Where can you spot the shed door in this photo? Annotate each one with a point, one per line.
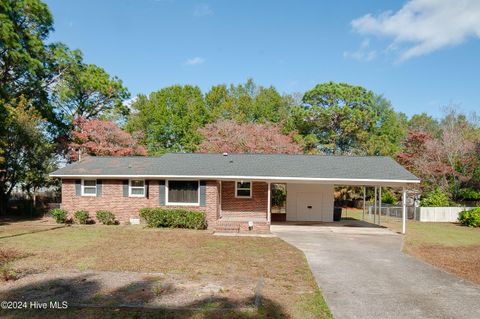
(309, 206)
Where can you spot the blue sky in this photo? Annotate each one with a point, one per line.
(421, 54)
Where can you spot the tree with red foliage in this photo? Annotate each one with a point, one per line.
(446, 161)
(414, 146)
(233, 137)
(97, 137)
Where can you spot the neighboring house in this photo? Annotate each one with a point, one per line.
(232, 189)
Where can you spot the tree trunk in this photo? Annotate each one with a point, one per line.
(34, 206)
(4, 203)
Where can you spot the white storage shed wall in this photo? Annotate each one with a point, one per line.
(310, 202)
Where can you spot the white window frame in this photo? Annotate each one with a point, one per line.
(83, 187)
(167, 190)
(130, 188)
(250, 189)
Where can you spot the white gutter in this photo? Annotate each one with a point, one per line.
(360, 181)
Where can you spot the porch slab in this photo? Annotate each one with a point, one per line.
(242, 219)
(244, 235)
(332, 229)
(357, 227)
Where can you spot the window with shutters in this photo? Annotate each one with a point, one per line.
(89, 187)
(183, 193)
(136, 188)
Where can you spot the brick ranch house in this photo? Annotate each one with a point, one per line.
(234, 190)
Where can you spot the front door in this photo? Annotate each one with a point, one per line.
(309, 206)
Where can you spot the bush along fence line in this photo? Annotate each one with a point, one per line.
(173, 218)
(470, 218)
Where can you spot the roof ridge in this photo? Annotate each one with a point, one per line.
(121, 156)
(234, 154)
(283, 154)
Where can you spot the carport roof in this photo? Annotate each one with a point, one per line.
(363, 170)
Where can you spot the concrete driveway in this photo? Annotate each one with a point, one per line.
(363, 274)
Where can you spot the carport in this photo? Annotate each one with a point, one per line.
(313, 201)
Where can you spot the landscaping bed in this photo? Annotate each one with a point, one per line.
(167, 271)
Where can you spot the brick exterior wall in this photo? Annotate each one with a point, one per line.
(124, 208)
(256, 206)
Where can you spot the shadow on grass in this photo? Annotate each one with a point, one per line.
(34, 231)
(139, 299)
(16, 218)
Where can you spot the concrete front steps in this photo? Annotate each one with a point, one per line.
(240, 225)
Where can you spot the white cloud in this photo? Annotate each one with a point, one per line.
(423, 26)
(363, 53)
(202, 10)
(195, 61)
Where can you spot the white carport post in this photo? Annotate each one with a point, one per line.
(375, 206)
(364, 196)
(404, 209)
(268, 204)
(379, 203)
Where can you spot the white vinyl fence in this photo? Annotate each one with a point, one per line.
(440, 214)
(423, 214)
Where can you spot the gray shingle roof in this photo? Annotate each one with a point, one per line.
(266, 166)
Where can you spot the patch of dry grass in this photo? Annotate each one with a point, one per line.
(462, 261)
(237, 262)
(7, 257)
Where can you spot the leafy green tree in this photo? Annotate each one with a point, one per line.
(85, 90)
(340, 115)
(389, 130)
(169, 119)
(28, 154)
(424, 123)
(24, 59)
(54, 79)
(37, 175)
(300, 120)
(247, 103)
(24, 25)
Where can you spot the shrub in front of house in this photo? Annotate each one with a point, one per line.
(435, 198)
(82, 217)
(173, 218)
(60, 215)
(106, 217)
(470, 218)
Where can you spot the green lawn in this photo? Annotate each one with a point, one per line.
(186, 259)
